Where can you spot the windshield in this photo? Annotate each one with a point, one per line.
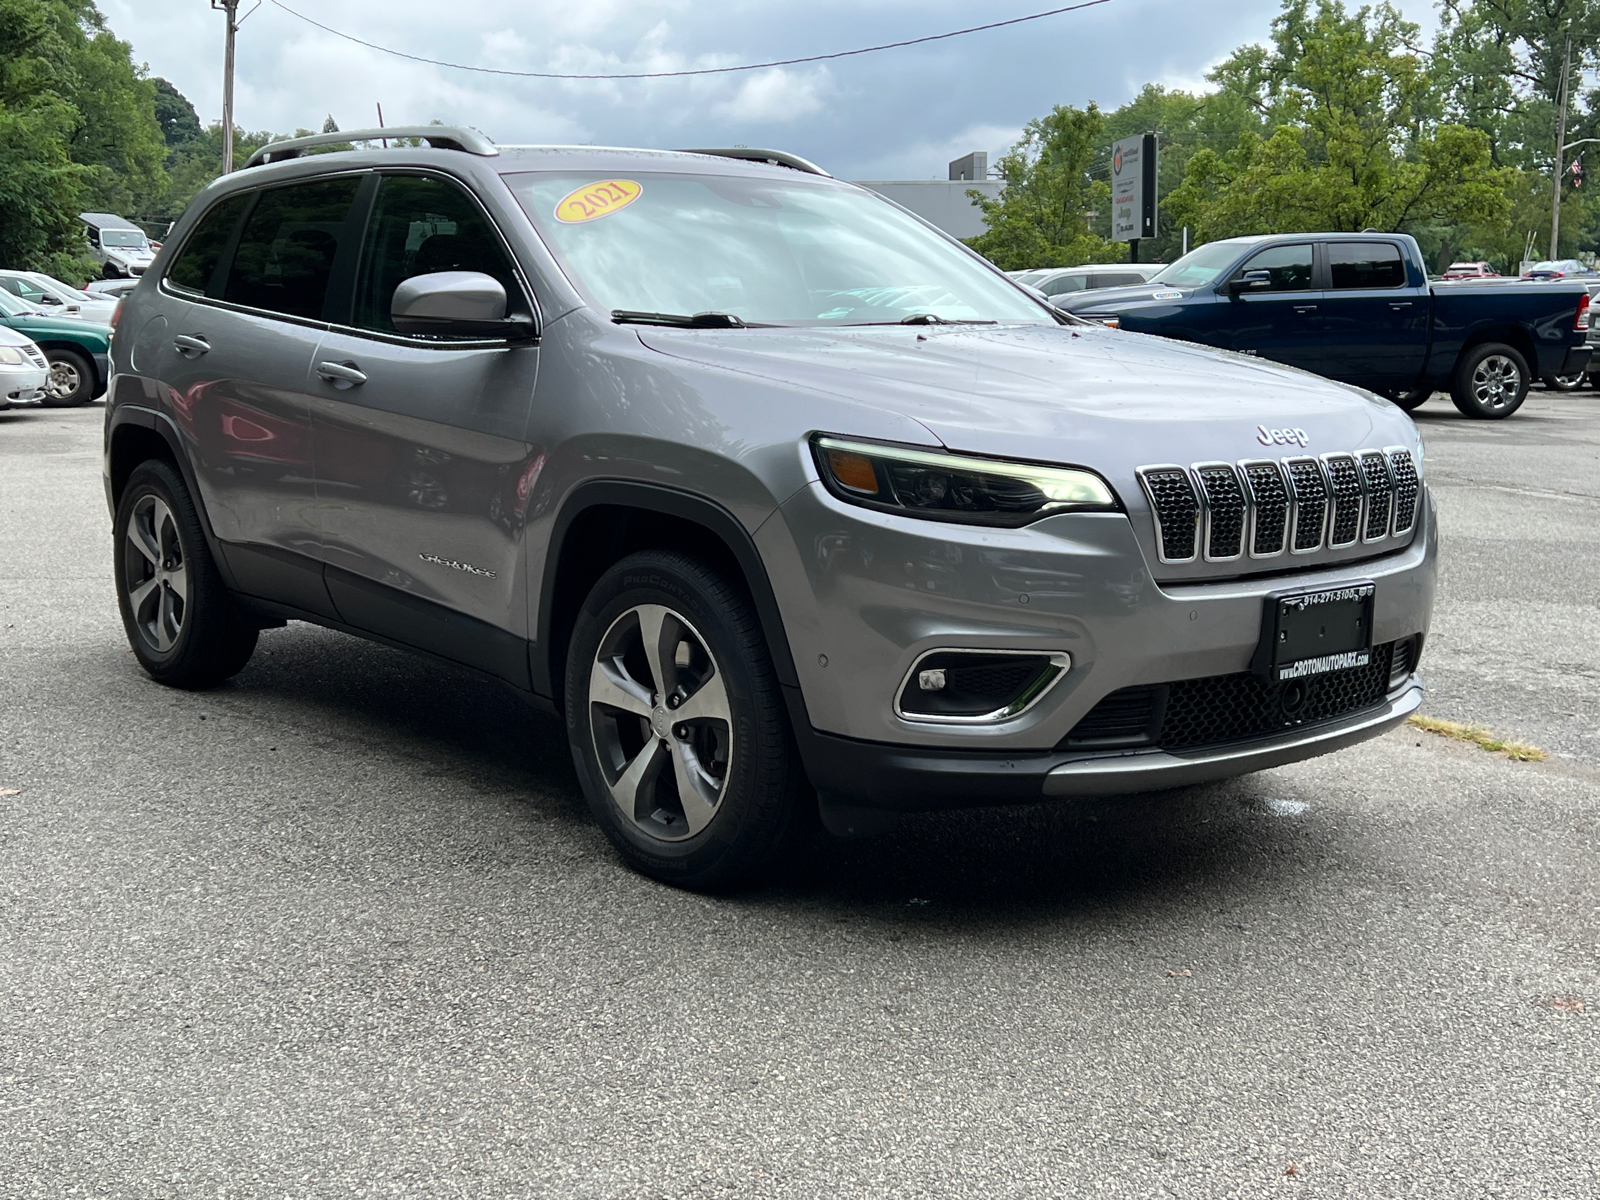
(123, 238)
(1200, 266)
(767, 251)
(11, 306)
(31, 292)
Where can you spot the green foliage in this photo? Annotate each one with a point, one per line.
(1354, 143)
(180, 124)
(1043, 217)
(77, 130)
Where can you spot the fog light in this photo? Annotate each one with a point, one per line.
(978, 686)
(931, 681)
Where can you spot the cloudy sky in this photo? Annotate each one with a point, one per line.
(900, 114)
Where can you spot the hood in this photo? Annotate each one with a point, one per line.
(127, 254)
(1108, 299)
(90, 334)
(1095, 397)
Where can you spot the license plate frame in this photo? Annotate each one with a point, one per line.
(1316, 631)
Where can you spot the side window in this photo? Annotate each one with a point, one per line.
(1067, 283)
(288, 246)
(1116, 279)
(196, 267)
(1289, 266)
(421, 226)
(1366, 265)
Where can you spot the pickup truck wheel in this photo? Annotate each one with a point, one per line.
(71, 380)
(1415, 398)
(181, 622)
(677, 724)
(1563, 383)
(1490, 382)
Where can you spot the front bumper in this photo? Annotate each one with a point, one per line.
(906, 779)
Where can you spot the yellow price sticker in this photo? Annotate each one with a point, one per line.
(595, 200)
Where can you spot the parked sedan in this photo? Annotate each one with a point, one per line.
(53, 296)
(115, 288)
(24, 370)
(1558, 269)
(1066, 281)
(78, 351)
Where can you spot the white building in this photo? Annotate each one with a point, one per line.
(945, 202)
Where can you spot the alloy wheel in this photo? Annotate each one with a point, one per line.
(661, 722)
(157, 577)
(1496, 382)
(64, 380)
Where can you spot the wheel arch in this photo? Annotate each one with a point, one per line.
(48, 344)
(601, 523)
(1515, 336)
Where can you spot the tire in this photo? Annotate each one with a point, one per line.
(1415, 398)
(182, 624)
(1564, 383)
(72, 379)
(1490, 381)
(110, 272)
(636, 757)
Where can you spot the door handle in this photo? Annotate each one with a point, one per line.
(341, 375)
(1397, 304)
(190, 347)
(1305, 308)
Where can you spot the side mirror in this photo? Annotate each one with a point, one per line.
(48, 299)
(456, 304)
(1251, 281)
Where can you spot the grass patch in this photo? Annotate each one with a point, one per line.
(1478, 736)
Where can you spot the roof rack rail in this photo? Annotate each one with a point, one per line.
(776, 157)
(440, 137)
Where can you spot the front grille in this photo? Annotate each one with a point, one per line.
(1221, 709)
(1299, 505)
(1406, 489)
(1344, 482)
(1380, 495)
(1177, 511)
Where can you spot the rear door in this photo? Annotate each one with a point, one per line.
(423, 467)
(1375, 319)
(1283, 322)
(244, 313)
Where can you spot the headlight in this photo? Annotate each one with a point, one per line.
(954, 487)
(10, 356)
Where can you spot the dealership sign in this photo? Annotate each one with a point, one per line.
(1133, 188)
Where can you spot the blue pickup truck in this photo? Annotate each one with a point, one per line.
(1358, 307)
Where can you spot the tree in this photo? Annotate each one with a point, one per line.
(1354, 142)
(180, 124)
(1043, 217)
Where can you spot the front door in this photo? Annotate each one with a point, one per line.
(423, 466)
(1376, 323)
(237, 373)
(1282, 321)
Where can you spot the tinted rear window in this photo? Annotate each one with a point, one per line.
(1366, 265)
(196, 267)
(287, 250)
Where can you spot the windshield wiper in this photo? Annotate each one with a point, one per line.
(700, 320)
(926, 318)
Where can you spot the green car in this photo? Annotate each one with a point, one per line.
(78, 350)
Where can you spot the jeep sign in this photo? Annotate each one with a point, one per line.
(1133, 188)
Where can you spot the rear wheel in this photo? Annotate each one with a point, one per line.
(677, 724)
(71, 380)
(181, 623)
(1415, 398)
(1563, 383)
(1490, 381)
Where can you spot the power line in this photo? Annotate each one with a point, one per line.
(782, 62)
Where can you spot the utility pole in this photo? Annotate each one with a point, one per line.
(1561, 137)
(230, 10)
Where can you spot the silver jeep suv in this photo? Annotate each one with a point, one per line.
(786, 501)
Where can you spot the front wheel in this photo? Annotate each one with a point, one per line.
(677, 724)
(1415, 398)
(1490, 381)
(71, 381)
(181, 622)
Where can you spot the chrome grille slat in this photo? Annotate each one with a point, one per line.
(1177, 511)
(1269, 507)
(1262, 507)
(1310, 491)
(1406, 489)
(1225, 510)
(1344, 486)
(1380, 495)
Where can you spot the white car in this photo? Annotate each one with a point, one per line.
(24, 371)
(117, 244)
(115, 288)
(56, 298)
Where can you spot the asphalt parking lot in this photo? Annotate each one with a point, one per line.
(343, 929)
